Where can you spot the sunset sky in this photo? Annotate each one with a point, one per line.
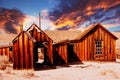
(59, 14)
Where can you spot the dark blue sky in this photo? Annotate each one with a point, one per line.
(31, 7)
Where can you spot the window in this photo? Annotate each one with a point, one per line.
(98, 46)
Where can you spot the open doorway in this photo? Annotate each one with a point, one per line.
(40, 52)
(40, 55)
(41, 59)
(72, 57)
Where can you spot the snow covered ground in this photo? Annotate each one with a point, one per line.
(86, 71)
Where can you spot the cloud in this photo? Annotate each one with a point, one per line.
(111, 25)
(29, 20)
(45, 23)
(11, 19)
(80, 13)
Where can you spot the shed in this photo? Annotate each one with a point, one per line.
(95, 43)
(43, 43)
(32, 49)
(6, 49)
(6, 45)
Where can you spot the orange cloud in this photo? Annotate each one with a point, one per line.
(83, 12)
(10, 20)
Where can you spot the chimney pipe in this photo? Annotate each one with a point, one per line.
(21, 28)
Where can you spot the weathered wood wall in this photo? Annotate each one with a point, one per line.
(23, 52)
(60, 54)
(85, 48)
(6, 51)
(40, 36)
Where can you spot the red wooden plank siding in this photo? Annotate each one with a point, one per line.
(62, 51)
(0, 51)
(50, 52)
(23, 52)
(26, 54)
(42, 37)
(6, 51)
(87, 49)
(20, 50)
(35, 33)
(113, 49)
(38, 36)
(30, 54)
(16, 56)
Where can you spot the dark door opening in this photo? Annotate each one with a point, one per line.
(72, 57)
(41, 60)
(58, 60)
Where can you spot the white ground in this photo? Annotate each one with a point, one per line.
(86, 71)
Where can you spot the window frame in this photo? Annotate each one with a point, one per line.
(98, 47)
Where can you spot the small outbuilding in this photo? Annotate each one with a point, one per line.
(32, 49)
(95, 43)
(6, 49)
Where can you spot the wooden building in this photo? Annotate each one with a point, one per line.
(62, 53)
(34, 48)
(6, 49)
(6, 45)
(29, 45)
(90, 44)
(95, 43)
(43, 45)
